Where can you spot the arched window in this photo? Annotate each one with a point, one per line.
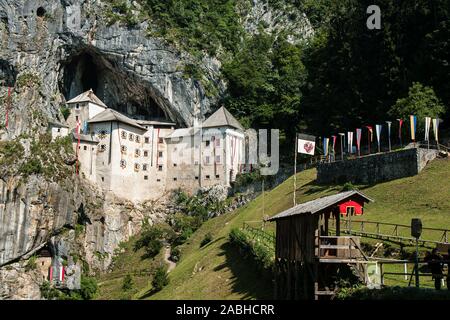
(138, 139)
(136, 167)
(137, 153)
(123, 164)
(144, 167)
(123, 135)
(131, 137)
(123, 149)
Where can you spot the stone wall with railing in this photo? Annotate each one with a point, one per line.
(376, 168)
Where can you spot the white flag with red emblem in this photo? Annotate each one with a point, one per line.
(306, 144)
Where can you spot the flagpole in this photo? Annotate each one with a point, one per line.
(295, 167)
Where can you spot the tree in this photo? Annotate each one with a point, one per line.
(421, 102)
(127, 283)
(160, 278)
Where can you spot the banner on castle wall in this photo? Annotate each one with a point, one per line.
(334, 144)
(378, 128)
(370, 132)
(413, 123)
(427, 128)
(306, 144)
(400, 123)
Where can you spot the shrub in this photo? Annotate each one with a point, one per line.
(65, 112)
(348, 186)
(151, 239)
(88, 288)
(160, 278)
(127, 283)
(207, 239)
(31, 263)
(175, 254)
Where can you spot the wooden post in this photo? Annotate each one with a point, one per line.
(295, 167)
(338, 224)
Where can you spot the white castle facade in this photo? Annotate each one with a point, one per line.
(145, 159)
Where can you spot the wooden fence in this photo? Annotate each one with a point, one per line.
(399, 233)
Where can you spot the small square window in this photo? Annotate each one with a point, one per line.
(59, 130)
(207, 160)
(145, 177)
(161, 140)
(103, 179)
(175, 179)
(160, 167)
(207, 176)
(145, 153)
(207, 143)
(160, 154)
(144, 167)
(158, 180)
(217, 176)
(217, 159)
(174, 164)
(123, 135)
(196, 178)
(131, 137)
(196, 162)
(138, 139)
(76, 118)
(147, 140)
(137, 153)
(85, 147)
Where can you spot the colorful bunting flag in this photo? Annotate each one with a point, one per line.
(413, 122)
(427, 128)
(436, 128)
(358, 140)
(350, 141)
(389, 133)
(378, 128)
(325, 146)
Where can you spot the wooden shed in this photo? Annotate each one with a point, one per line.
(305, 246)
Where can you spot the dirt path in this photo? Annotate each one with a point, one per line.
(171, 264)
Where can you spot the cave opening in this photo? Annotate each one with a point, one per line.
(41, 12)
(119, 90)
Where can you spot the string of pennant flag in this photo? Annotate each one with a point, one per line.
(306, 143)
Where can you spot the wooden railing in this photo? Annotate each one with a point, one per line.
(392, 232)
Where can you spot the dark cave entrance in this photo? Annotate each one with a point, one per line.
(41, 12)
(88, 69)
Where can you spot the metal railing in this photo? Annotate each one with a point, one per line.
(392, 231)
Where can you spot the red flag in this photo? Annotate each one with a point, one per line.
(400, 122)
(371, 132)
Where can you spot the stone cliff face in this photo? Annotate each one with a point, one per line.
(51, 51)
(69, 48)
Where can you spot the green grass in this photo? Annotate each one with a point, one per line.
(217, 270)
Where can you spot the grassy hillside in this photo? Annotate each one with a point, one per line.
(217, 271)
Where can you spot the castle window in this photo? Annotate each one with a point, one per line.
(207, 176)
(145, 177)
(175, 179)
(217, 159)
(196, 162)
(77, 106)
(136, 167)
(147, 140)
(207, 143)
(160, 167)
(103, 179)
(123, 164)
(102, 147)
(85, 148)
(131, 137)
(145, 153)
(137, 153)
(59, 130)
(160, 154)
(76, 118)
(196, 178)
(218, 142)
(123, 149)
(161, 140)
(158, 180)
(123, 135)
(217, 176)
(138, 139)
(207, 160)
(174, 164)
(144, 167)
